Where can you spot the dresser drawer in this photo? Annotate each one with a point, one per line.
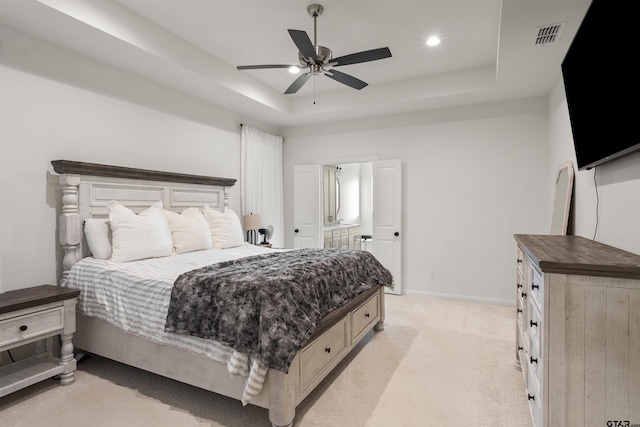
(364, 316)
(534, 364)
(520, 262)
(536, 288)
(535, 399)
(322, 354)
(534, 325)
(30, 326)
(523, 352)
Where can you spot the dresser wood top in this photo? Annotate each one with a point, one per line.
(32, 297)
(578, 255)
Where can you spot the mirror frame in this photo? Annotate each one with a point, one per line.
(562, 199)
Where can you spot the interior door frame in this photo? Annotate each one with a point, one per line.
(394, 199)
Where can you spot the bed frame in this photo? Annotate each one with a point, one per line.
(87, 188)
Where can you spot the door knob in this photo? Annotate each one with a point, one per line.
(396, 234)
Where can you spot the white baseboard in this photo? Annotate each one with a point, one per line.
(465, 298)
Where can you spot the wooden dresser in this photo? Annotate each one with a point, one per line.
(578, 331)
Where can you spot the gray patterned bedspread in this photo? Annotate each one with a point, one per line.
(269, 305)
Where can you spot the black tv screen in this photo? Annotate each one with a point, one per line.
(600, 87)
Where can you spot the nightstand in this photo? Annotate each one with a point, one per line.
(35, 315)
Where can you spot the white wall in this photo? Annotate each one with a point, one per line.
(472, 177)
(608, 212)
(55, 105)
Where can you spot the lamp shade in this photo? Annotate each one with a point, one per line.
(251, 222)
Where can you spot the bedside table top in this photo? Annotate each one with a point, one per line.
(34, 296)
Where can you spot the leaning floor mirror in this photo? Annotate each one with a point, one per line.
(562, 199)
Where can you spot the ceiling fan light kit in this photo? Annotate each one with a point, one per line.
(319, 59)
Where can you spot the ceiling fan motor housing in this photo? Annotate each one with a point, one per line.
(323, 54)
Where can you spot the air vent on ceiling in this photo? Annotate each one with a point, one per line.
(549, 33)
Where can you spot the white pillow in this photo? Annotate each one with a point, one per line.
(226, 231)
(146, 235)
(98, 235)
(189, 230)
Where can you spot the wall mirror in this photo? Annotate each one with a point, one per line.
(562, 199)
(330, 188)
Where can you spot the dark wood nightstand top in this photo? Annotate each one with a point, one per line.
(31, 297)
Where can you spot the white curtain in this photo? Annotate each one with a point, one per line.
(261, 187)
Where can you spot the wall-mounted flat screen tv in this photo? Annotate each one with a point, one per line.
(600, 87)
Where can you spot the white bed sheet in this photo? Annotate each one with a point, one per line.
(134, 296)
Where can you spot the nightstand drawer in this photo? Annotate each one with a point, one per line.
(32, 325)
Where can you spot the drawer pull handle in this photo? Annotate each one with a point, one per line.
(519, 310)
(23, 328)
(524, 294)
(519, 285)
(519, 261)
(532, 323)
(533, 360)
(366, 315)
(520, 348)
(327, 349)
(534, 286)
(531, 396)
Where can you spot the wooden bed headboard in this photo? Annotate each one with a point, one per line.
(87, 188)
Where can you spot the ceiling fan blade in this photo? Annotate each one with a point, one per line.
(259, 67)
(364, 56)
(303, 43)
(346, 79)
(297, 84)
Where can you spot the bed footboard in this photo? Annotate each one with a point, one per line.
(334, 339)
(322, 354)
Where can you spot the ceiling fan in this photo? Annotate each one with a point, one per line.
(318, 59)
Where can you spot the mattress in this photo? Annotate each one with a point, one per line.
(135, 296)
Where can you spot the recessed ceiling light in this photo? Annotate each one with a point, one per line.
(433, 41)
(294, 70)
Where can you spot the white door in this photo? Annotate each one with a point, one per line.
(307, 208)
(387, 218)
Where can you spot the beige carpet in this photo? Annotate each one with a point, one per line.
(438, 363)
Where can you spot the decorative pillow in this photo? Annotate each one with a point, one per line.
(226, 231)
(134, 237)
(189, 230)
(98, 235)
